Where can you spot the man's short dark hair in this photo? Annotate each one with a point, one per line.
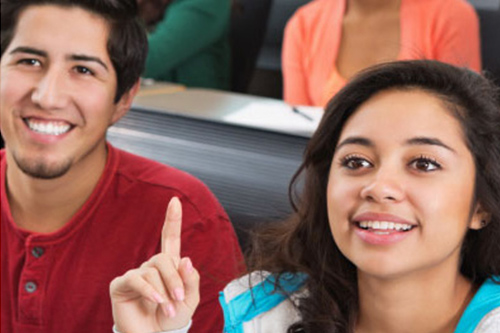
(127, 43)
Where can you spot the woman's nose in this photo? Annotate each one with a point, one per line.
(385, 186)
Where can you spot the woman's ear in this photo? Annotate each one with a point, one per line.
(480, 218)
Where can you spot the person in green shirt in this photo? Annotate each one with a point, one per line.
(188, 42)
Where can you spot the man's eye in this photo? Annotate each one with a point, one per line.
(29, 62)
(83, 70)
(354, 163)
(425, 164)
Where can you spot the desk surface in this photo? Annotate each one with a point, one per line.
(219, 106)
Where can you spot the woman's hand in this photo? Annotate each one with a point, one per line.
(163, 293)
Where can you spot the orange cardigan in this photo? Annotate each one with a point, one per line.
(445, 30)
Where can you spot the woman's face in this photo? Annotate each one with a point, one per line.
(401, 185)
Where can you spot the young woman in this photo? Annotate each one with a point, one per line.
(396, 229)
(326, 42)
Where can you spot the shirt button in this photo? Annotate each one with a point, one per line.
(30, 287)
(37, 251)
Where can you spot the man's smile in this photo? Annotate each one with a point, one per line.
(48, 127)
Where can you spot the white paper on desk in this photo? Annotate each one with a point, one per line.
(277, 115)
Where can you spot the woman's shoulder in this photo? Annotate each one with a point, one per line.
(315, 10)
(315, 19)
(482, 315)
(489, 323)
(261, 301)
(457, 9)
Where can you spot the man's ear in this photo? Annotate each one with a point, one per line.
(480, 218)
(123, 105)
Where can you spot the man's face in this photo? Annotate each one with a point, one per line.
(57, 91)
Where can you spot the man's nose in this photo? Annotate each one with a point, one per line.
(51, 91)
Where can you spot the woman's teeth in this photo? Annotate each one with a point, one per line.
(384, 225)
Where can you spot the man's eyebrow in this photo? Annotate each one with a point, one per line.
(82, 57)
(30, 50)
(428, 141)
(356, 140)
(74, 57)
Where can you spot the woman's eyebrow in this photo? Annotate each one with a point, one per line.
(362, 141)
(356, 140)
(428, 141)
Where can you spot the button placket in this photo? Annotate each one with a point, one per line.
(32, 280)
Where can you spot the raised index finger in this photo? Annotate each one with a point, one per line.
(171, 232)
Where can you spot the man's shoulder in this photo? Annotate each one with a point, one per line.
(138, 172)
(152, 173)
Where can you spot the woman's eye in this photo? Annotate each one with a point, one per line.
(83, 70)
(354, 163)
(425, 164)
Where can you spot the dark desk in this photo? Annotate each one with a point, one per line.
(247, 168)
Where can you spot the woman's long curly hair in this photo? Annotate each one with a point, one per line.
(304, 242)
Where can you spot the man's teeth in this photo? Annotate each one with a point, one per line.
(48, 128)
(384, 225)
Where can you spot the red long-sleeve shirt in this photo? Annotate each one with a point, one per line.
(59, 282)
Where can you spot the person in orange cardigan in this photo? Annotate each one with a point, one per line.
(327, 41)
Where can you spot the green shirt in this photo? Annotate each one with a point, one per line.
(190, 45)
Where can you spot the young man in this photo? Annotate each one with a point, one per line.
(76, 212)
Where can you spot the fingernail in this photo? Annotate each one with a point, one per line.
(174, 207)
(189, 265)
(179, 294)
(165, 309)
(157, 297)
(171, 310)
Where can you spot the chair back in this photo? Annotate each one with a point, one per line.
(490, 41)
(248, 27)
